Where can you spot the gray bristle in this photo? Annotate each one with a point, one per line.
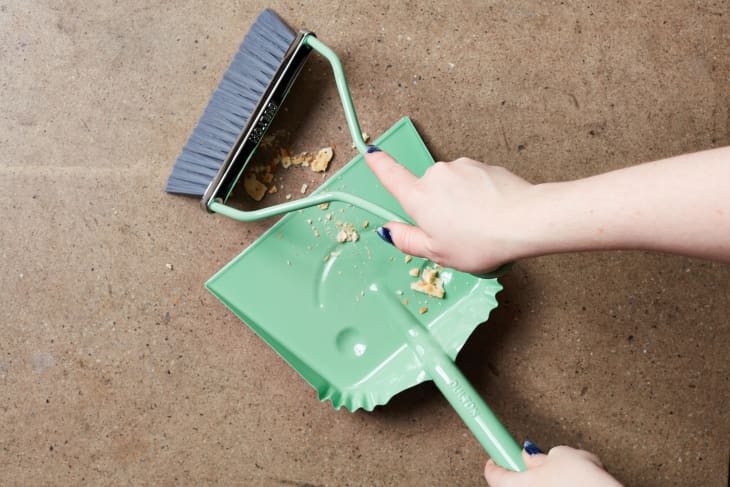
(254, 66)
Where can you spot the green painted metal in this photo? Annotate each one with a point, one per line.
(332, 310)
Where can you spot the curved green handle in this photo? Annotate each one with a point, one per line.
(309, 201)
(482, 422)
(342, 89)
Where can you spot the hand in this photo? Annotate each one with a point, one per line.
(467, 212)
(561, 467)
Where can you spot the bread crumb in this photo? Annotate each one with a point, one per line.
(316, 233)
(408, 259)
(309, 221)
(273, 189)
(399, 292)
(365, 224)
(326, 257)
(347, 233)
(429, 284)
(304, 188)
(414, 272)
(405, 301)
(423, 310)
(324, 206)
(288, 196)
(254, 188)
(322, 159)
(169, 266)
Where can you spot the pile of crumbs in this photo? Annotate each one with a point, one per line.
(259, 180)
(347, 233)
(429, 283)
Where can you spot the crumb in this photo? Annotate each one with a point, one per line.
(399, 292)
(342, 210)
(284, 158)
(429, 284)
(309, 221)
(288, 196)
(362, 293)
(316, 233)
(322, 159)
(414, 272)
(326, 257)
(408, 259)
(347, 233)
(273, 189)
(169, 266)
(324, 206)
(254, 188)
(304, 188)
(365, 224)
(267, 177)
(423, 310)
(329, 216)
(279, 235)
(405, 301)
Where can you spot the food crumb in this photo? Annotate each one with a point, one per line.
(304, 188)
(414, 272)
(288, 196)
(347, 233)
(429, 284)
(169, 266)
(365, 224)
(316, 233)
(423, 310)
(399, 292)
(324, 206)
(309, 221)
(322, 159)
(273, 189)
(254, 188)
(326, 257)
(405, 301)
(408, 259)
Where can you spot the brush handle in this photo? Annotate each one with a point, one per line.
(309, 201)
(482, 422)
(342, 89)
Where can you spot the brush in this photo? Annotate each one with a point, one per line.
(241, 110)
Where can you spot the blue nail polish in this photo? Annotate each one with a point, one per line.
(384, 233)
(372, 149)
(531, 448)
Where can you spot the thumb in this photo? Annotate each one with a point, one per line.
(407, 238)
(532, 455)
(501, 477)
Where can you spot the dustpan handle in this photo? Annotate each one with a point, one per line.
(342, 89)
(482, 422)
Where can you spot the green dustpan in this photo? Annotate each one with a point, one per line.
(335, 312)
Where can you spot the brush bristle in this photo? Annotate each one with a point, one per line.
(252, 69)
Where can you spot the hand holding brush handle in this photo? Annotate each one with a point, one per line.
(473, 216)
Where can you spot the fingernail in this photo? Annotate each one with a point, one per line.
(372, 149)
(384, 233)
(531, 448)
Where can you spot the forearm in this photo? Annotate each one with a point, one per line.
(678, 205)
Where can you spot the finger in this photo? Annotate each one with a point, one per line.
(409, 239)
(396, 178)
(501, 477)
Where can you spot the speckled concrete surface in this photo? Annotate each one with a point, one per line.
(115, 369)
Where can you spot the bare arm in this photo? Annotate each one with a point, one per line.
(473, 217)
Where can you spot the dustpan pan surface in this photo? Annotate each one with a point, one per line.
(321, 304)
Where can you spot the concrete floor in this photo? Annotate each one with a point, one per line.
(115, 369)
